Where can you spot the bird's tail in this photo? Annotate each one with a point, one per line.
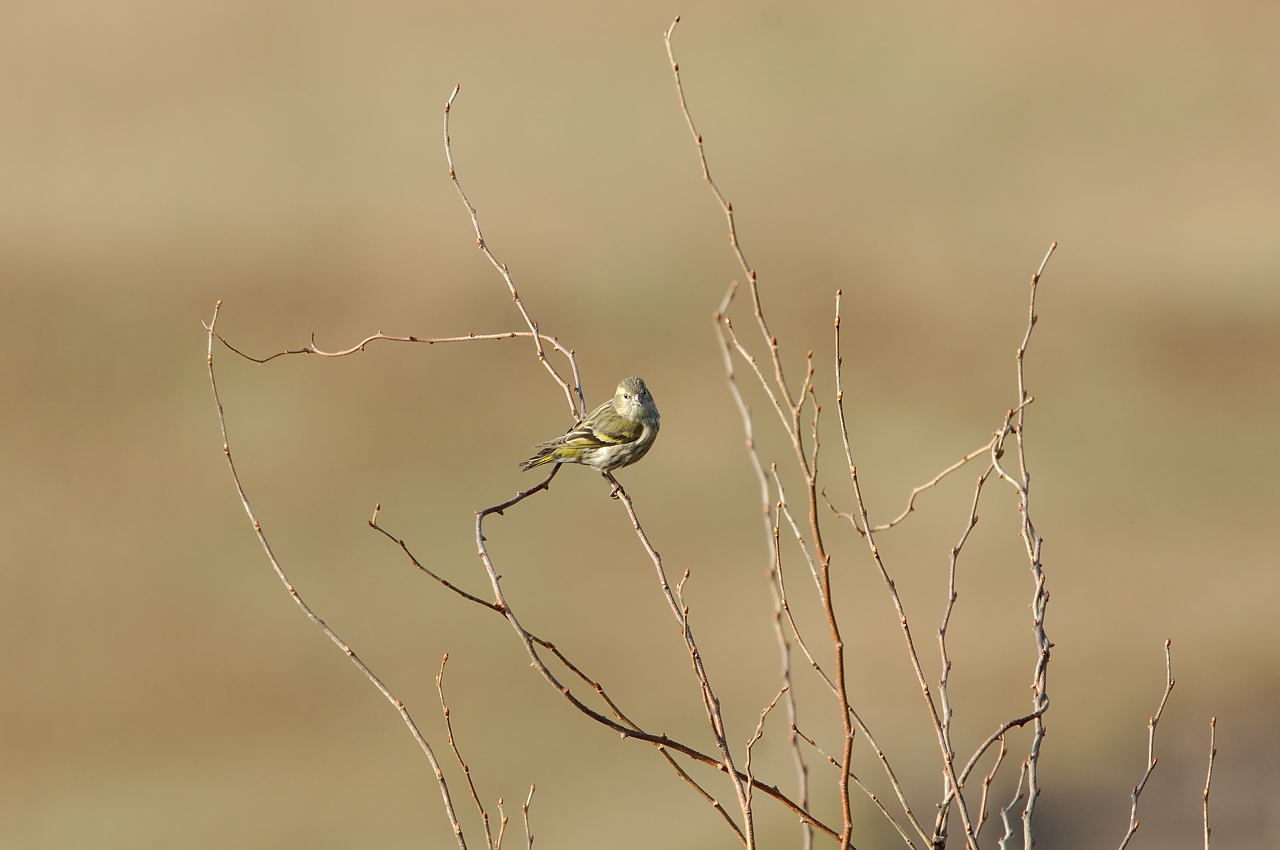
(537, 460)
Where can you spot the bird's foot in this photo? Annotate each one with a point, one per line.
(617, 488)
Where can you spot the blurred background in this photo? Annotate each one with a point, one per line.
(164, 691)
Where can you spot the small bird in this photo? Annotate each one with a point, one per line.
(616, 434)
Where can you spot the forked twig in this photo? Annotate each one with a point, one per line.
(931, 483)
(503, 820)
(1004, 810)
(757, 735)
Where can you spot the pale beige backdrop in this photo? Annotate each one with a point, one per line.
(162, 691)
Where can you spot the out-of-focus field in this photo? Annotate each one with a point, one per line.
(161, 690)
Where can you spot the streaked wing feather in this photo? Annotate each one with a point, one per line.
(586, 433)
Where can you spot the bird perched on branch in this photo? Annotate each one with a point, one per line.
(616, 434)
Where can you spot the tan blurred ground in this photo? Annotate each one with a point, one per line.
(162, 691)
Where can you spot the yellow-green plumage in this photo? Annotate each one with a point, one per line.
(616, 434)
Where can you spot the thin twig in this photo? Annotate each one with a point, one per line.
(503, 820)
(1004, 810)
(986, 785)
(1152, 722)
(373, 523)
(306, 609)
(727, 208)
(830, 759)
(994, 737)
(815, 572)
(524, 814)
(756, 736)
(457, 754)
(933, 482)
(577, 404)
(312, 348)
(706, 796)
(871, 795)
(944, 681)
(1208, 777)
(784, 416)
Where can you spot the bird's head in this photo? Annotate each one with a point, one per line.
(634, 401)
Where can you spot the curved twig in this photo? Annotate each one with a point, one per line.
(577, 404)
(311, 615)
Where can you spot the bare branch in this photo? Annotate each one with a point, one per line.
(324, 627)
(312, 348)
(373, 523)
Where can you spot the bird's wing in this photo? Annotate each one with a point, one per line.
(601, 427)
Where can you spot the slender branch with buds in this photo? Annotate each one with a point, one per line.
(1152, 722)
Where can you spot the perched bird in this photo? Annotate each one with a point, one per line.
(614, 435)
